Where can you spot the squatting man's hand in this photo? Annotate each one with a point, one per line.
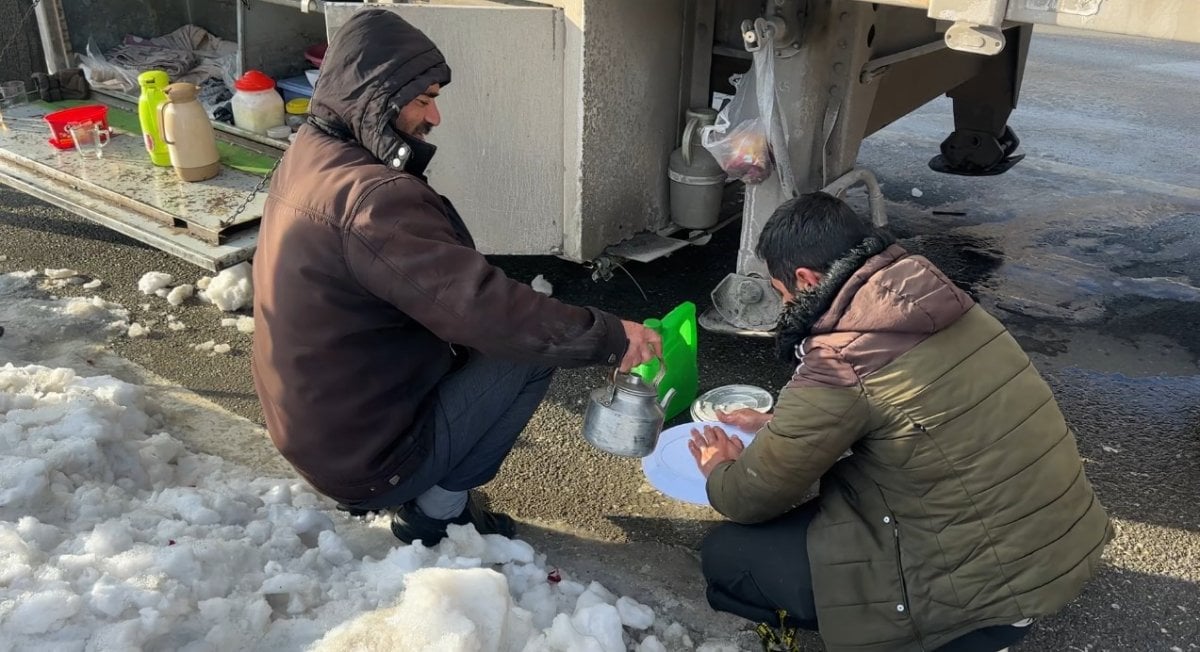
(644, 345)
(745, 419)
(713, 447)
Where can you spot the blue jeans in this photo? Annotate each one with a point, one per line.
(477, 414)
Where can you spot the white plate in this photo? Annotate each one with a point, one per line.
(671, 468)
(729, 398)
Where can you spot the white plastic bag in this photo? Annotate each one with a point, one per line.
(748, 137)
(738, 139)
(101, 73)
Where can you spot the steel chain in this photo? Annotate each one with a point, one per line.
(262, 183)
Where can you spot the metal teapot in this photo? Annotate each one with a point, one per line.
(625, 416)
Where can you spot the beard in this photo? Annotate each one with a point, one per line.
(422, 130)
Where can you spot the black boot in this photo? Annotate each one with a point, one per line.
(410, 524)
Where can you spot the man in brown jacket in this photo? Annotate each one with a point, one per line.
(396, 366)
(962, 510)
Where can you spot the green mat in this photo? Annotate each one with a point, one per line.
(233, 156)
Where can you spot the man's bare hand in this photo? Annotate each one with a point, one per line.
(644, 345)
(713, 447)
(745, 419)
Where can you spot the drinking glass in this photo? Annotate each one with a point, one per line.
(90, 137)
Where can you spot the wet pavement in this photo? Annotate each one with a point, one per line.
(1087, 250)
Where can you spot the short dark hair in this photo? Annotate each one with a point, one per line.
(814, 231)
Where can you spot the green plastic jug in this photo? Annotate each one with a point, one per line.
(153, 83)
(680, 346)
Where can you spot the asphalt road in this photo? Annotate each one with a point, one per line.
(1087, 251)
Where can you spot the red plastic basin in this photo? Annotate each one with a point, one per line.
(60, 120)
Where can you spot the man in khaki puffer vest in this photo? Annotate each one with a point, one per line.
(962, 511)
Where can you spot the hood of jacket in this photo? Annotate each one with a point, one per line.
(877, 287)
(376, 64)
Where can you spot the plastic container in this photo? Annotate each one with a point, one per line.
(152, 83)
(680, 347)
(279, 133)
(730, 398)
(295, 88)
(297, 112)
(315, 54)
(257, 106)
(60, 138)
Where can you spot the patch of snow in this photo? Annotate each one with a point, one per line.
(205, 346)
(540, 284)
(229, 322)
(245, 325)
(152, 282)
(635, 615)
(177, 326)
(137, 330)
(56, 274)
(232, 289)
(179, 294)
(202, 282)
(222, 348)
(916, 192)
(94, 284)
(115, 536)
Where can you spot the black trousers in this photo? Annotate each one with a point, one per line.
(753, 571)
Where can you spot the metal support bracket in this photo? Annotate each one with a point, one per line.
(743, 304)
(746, 304)
(976, 24)
(874, 193)
(781, 22)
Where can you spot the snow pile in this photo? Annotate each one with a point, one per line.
(114, 536)
(152, 282)
(31, 320)
(243, 324)
(212, 348)
(230, 290)
(179, 294)
(541, 285)
(60, 274)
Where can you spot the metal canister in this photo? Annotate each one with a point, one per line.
(697, 180)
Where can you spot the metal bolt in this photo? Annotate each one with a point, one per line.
(900, 608)
(887, 519)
